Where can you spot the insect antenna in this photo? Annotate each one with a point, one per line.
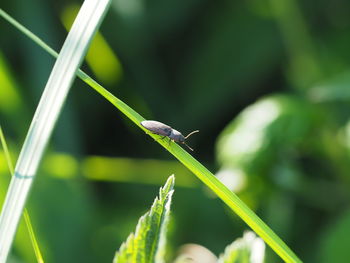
(188, 146)
(191, 134)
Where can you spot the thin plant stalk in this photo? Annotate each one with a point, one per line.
(27, 220)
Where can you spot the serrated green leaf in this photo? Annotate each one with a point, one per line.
(148, 243)
(248, 249)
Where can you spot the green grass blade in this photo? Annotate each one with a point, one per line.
(148, 242)
(6, 151)
(33, 239)
(27, 220)
(231, 199)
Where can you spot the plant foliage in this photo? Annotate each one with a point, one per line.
(147, 244)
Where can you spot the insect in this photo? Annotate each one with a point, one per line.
(159, 128)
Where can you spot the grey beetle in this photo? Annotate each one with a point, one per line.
(159, 128)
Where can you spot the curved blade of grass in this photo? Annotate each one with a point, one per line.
(61, 78)
(231, 199)
(27, 220)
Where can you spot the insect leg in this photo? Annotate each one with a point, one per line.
(169, 142)
(161, 138)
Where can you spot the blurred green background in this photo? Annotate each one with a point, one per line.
(265, 81)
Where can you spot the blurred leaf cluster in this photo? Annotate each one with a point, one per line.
(266, 82)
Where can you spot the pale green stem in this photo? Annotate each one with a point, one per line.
(89, 18)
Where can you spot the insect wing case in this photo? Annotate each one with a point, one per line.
(157, 127)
